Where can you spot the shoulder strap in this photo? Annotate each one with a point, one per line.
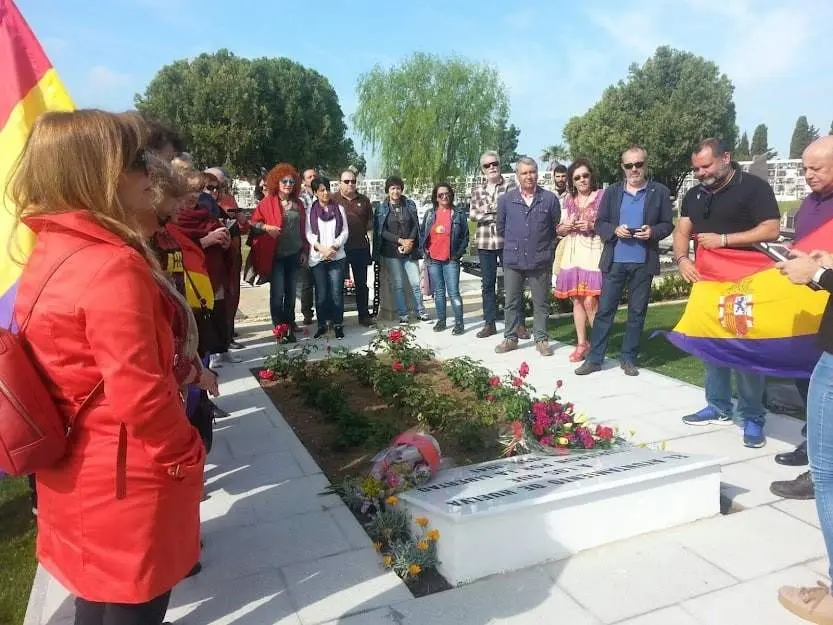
(203, 303)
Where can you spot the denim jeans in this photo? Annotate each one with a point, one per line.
(638, 279)
(358, 260)
(820, 445)
(329, 291)
(445, 277)
(488, 267)
(400, 270)
(750, 392)
(282, 288)
(539, 284)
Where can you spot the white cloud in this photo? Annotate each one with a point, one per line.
(105, 82)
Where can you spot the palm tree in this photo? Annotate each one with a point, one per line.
(555, 154)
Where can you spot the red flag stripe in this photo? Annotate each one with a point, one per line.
(22, 59)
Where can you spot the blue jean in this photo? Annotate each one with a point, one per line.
(282, 288)
(489, 260)
(445, 277)
(400, 270)
(820, 444)
(638, 279)
(329, 291)
(750, 392)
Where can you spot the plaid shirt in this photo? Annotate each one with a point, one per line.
(483, 210)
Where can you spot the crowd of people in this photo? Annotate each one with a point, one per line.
(136, 275)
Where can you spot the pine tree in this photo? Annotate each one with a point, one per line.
(760, 143)
(831, 129)
(742, 149)
(801, 137)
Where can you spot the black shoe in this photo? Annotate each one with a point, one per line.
(339, 330)
(322, 330)
(458, 329)
(796, 458)
(367, 322)
(291, 338)
(588, 367)
(440, 326)
(629, 368)
(197, 568)
(800, 488)
(219, 413)
(307, 321)
(235, 345)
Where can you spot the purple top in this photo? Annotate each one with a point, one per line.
(815, 210)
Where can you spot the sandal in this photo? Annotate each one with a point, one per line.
(580, 352)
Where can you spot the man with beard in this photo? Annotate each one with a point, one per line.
(559, 177)
(729, 208)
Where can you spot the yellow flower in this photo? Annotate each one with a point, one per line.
(392, 500)
(414, 570)
(422, 545)
(387, 561)
(421, 521)
(567, 427)
(562, 441)
(377, 546)
(433, 535)
(582, 418)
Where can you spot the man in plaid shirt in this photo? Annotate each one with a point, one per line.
(483, 211)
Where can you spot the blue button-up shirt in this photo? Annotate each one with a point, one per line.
(631, 214)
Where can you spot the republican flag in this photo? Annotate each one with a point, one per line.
(30, 86)
(744, 314)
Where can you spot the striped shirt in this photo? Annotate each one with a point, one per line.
(483, 211)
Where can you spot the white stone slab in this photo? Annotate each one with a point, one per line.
(508, 514)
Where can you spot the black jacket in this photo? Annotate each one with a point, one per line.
(658, 215)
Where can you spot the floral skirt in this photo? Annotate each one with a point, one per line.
(576, 268)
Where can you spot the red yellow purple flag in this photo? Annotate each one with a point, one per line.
(744, 314)
(30, 86)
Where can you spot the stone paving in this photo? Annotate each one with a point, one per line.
(277, 552)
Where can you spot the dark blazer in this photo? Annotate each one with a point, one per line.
(380, 217)
(658, 215)
(528, 231)
(459, 232)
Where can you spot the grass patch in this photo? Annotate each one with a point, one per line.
(17, 549)
(656, 353)
(788, 205)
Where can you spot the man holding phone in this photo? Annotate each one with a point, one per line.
(634, 216)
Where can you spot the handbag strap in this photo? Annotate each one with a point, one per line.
(203, 303)
(88, 401)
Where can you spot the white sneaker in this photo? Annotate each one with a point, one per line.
(231, 358)
(215, 361)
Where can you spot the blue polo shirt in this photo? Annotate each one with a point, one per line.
(631, 214)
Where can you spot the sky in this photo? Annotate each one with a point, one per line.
(555, 58)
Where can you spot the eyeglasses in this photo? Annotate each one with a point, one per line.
(490, 165)
(211, 187)
(353, 181)
(637, 164)
(289, 182)
(583, 176)
(140, 162)
(443, 196)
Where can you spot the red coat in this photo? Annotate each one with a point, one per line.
(270, 212)
(118, 517)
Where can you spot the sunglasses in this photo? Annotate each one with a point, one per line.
(443, 196)
(290, 182)
(140, 162)
(212, 187)
(637, 164)
(490, 165)
(581, 177)
(349, 181)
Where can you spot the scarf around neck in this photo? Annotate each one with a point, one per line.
(325, 213)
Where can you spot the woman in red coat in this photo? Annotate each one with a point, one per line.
(118, 516)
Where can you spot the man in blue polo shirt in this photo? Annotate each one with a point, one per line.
(633, 218)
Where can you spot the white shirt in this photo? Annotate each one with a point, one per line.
(327, 237)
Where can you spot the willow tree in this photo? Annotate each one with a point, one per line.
(430, 118)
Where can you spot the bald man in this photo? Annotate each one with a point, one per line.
(815, 210)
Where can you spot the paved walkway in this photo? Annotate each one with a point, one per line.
(277, 552)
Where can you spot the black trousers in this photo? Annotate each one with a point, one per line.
(149, 613)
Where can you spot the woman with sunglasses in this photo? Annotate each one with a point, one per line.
(445, 238)
(279, 244)
(578, 254)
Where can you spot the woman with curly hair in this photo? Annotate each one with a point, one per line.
(577, 256)
(279, 245)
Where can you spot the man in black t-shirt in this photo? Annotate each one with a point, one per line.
(729, 208)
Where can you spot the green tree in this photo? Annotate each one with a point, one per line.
(554, 154)
(830, 132)
(245, 114)
(507, 146)
(430, 118)
(803, 135)
(760, 143)
(667, 105)
(742, 149)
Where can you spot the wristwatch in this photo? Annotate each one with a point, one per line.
(819, 272)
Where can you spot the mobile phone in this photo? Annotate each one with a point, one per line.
(780, 252)
(634, 230)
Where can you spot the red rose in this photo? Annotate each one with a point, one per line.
(517, 382)
(281, 331)
(397, 366)
(412, 368)
(523, 370)
(490, 398)
(266, 374)
(395, 335)
(604, 432)
(494, 381)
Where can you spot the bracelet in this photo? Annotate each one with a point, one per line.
(681, 258)
(724, 240)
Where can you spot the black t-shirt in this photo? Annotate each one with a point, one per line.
(740, 206)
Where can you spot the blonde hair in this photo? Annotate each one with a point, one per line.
(72, 161)
(166, 180)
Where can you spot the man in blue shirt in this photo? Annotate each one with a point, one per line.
(634, 216)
